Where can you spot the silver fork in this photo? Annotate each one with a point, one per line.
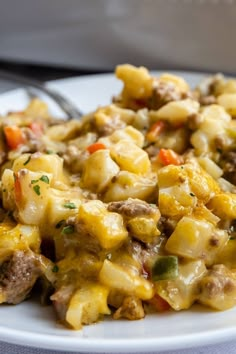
(66, 105)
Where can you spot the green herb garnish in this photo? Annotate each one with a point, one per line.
(70, 205)
(33, 181)
(44, 179)
(68, 230)
(192, 194)
(27, 161)
(55, 269)
(36, 189)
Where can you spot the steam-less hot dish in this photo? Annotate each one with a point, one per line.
(130, 210)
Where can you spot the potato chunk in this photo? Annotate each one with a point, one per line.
(196, 238)
(107, 227)
(87, 304)
(177, 112)
(129, 185)
(137, 81)
(122, 278)
(181, 292)
(224, 205)
(130, 157)
(99, 170)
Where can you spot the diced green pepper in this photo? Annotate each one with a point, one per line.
(165, 268)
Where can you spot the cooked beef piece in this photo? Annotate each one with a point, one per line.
(132, 207)
(61, 300)
(229, 166)
(163, 94)
(18, 273)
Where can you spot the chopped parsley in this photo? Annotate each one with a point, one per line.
(36, 188)
(55, 269)
(69, 229)
(44, 179)
(69, 205)
(49, 152)
(192, 194)
(27, 161)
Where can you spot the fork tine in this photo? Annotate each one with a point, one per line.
(66, 106)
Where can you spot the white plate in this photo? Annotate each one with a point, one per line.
(34, 325)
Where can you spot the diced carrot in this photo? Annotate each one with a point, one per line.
(155, 131)
(36, 128)
(169, 157)
(14, 136)
(95, 147)
(159, 303)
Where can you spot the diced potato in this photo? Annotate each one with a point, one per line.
(129, 185)
(210, 167)
(177, 112)
(129, 133)
(19, 237)
(218, 288)
(31, 193)
(99, 170)
(62, 205)
(223, 205)
(38, 162)
(130, 157)
(87, 304)
(181, 292)
(8, 194)
(143, 228)
(37, 108)
(196, 238)
(215, 112)
(121, 278)
(180, 187)
(177, 81)
(112, 113)
(227, 254)
(106, 226)
(137, 81)
(65, 131)
(228, 101)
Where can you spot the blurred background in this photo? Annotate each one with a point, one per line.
(51, 39)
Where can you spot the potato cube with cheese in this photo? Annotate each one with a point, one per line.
(38, 162)
(130, 157)
(177, 112)
(31, 195)
(130, 185)
(181, 292)
(107, 227)
(99, 170)
(87, 304)
(196, 238)
(121, 278)
(223, 205)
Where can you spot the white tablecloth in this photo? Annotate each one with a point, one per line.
(224, 348)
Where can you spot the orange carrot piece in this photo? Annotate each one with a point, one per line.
(155, 130)
(169, 157)
(95, 147)
(14, 136)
